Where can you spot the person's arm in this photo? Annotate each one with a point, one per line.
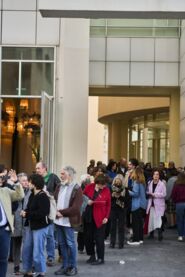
(108, 208)
(42, 208)
(17, 194)
(161, 193)
(174, 194)
(76, 205)
(135, 190)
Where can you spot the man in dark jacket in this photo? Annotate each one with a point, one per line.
(51, 181)
(69, 201)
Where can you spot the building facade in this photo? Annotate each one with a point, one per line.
(50, 65)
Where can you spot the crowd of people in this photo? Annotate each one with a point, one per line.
(119, 202)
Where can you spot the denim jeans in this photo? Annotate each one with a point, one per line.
(67, 244)
(50, 243)
(4, 245)
(33, 250)
(180, 217)
(27, 250)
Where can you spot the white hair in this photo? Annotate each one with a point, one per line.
(70, 170)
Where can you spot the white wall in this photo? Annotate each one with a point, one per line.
(72, 95)
(134, 61)
(96, 134)
(22, 24)
(182, 96)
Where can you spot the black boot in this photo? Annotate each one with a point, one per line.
(121, 245)
(112, 245)
(91, 259)
(151, 235)
(160, 234)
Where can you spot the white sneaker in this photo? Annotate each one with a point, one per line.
(133, 242)
(180, 238)
(107, 242)
(141, 241)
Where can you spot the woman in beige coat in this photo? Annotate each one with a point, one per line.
(7, 196)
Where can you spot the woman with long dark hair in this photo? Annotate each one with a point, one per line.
(156, 192)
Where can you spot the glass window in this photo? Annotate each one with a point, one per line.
(36, 77)
(166, 32)
(10, 78)
(98, 22)
(97, 32)
(135, 28)
(129, 32)
(130, 22)
(28, 53)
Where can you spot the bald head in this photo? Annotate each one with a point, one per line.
(41, 169)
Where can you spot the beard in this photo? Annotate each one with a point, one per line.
(64, 182)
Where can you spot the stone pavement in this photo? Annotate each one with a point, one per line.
(152, 259)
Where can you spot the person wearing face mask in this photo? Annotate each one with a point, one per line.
(119, 203)
(69, 200)
(7, 196)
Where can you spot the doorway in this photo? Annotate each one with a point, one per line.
(20, 133)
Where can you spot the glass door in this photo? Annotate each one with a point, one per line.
(46, 142)
(20, 132)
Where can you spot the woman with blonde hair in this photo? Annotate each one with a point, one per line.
(119, 204)
(138, 205)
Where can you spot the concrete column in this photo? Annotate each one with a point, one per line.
(72, 87)
(145, 145)
(115, 140)
(124, 139)
(174, 128)
(118, 139)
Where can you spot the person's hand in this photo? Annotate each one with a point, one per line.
(58, 215)
(105, 220)
(23, 213)
(90, 202)
(13, 175)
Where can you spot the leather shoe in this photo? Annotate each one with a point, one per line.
(98, 262)
(91, 259)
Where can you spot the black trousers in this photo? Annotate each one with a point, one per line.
(94, 237)
(137, 224)
(80, 240)
(117, 224)
(17, 242)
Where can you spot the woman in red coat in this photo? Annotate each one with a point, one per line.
(96, 217)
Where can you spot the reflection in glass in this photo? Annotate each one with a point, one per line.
(28, 53)
(10, 77)
(37, 77)
(134, 28)
(156, 127)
